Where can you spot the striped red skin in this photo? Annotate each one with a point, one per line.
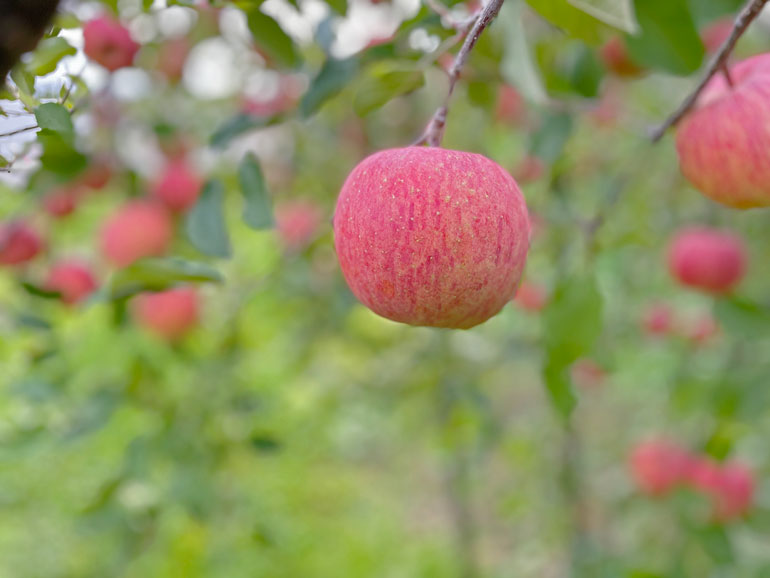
(431, 237)
(707, 259)
(724, 143)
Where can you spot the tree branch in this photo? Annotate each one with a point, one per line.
(19, 131)
(718, 63)
(434, 132)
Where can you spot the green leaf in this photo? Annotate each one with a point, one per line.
(206, 226)
(383, 82)
(331, 79)
(549, 141)
(270, 37)
(338, 6)
(558, 386)
(25, 83)
(59, 155)
(235, 127)
(573, 319)
(617, 13)
(705, 12)
(517, 66)
(55, 117)
(48, 54)
(258, 211)
(571, 20)
(159, 274)
(669, 40)
(743, 318)
(39, 291)
(3, 162)
(716, 543)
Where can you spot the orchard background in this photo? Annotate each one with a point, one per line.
(259, 421)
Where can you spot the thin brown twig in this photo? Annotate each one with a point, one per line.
(719, 62)
(434, 132)
(19, 131)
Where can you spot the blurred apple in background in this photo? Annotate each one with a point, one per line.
(169, 314)
(19, 243)
(73, 280)
(138, 229)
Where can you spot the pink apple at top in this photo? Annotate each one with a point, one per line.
(723, 142)
(709, 260)
(659, 466)
(169, 314)
(178, 186)
(138, 229)
(430, 236)
(109, 43)
(73, 280)
(531, 297)
(19, 243)
(297, 223)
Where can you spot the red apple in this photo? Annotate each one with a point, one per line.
(510, 105)
(716, 33)
(61, 203)
(706, 259)
(139, 229)
(723, 141)
(178, 186)
(702, 473)
(73, 280)
(531, 297)
(297, 223)
(19, 243)
(733, 493)
(429, 236)
(658, 320)
(109, 43)
(96, 176)
(529, 169)
(616, 59)
(169, 314)
(658, 466)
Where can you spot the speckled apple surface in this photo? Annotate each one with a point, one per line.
(432, 237)
(724, 143)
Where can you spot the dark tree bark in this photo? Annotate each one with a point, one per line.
(22, 24)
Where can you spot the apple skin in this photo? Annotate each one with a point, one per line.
(709, 260)
(431, 237)
(169, 314)
(139, 229)
(616, 59)
(659, 466)
(178, 186)
(723, 142)
(73, 280)
(109, 43)
(297, 223)
(19, 243)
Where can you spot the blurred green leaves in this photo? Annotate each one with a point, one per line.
(206, 225)
(383, 82)
(258, 211)
(159, 274)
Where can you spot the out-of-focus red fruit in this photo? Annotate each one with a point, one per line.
(658, 320)
(297, 223)
(616, 59)
(658, 466)
(702, 473)
(139, 229)
(61, 203)
(702, 329)
(716, 33)
(109, 43)
(433, 237)
(529, 169)
(587, 374)
(178, 186)
(172, 57)
(722, 142)
(706, 259)
(96, 176)
(169, 314)
(73, 280)
(510, 105)
(531, 297)
(19, 243)
(734, 492)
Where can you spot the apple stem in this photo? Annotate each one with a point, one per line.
(719, 62)
(434, 132)
(726, 73)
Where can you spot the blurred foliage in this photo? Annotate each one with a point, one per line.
(293, 432)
